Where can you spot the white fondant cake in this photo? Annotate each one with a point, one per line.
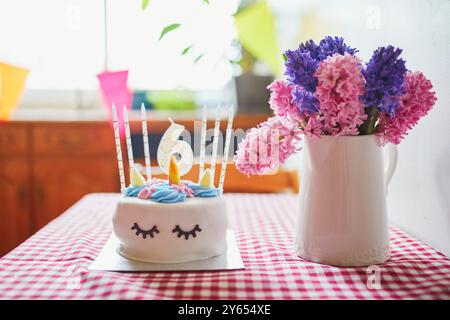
(157, 232)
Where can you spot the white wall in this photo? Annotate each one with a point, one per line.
(419, 199)
(419, 195)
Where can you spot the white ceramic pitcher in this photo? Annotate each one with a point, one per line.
(343, 218)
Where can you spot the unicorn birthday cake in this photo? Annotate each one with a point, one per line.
(173, 220)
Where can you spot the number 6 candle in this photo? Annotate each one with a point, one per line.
(170, 145)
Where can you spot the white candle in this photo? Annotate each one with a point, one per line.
(215, 143)
(128, 137)
(202, 142)
(118, 149)
(227, 148)
(148, 169)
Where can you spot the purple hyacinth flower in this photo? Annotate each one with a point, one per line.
(384, 75)
(332, 45)
(311, 47)
(304, 100)
(300, 69)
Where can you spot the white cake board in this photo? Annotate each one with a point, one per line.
(110, 260)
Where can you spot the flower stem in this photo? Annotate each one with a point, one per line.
(368, 127)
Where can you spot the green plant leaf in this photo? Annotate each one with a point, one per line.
(198, 58)
(284, 57)
(186, 50)
(168, 29)
(144, 4)
(206, 1)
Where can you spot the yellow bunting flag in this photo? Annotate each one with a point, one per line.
(174, 175)
(256, 31)
(12, 83)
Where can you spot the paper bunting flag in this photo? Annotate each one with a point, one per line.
(12, 83)
(113, 86)
(256, 32)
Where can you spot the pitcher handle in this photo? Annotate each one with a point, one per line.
(391, 164)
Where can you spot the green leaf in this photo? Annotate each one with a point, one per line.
(186, 50)
(284, 57)
(144, 4)
(206, 1)
(168, 29)
(198, 58)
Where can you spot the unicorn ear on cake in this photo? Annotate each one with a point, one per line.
(136, 178)
(206, 179)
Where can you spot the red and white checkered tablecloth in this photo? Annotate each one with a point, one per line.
(53, 264)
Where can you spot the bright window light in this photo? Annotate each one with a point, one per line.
(62, 42)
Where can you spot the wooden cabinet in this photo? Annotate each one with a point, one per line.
(45, 167)
(15, 202)
(59, 183)
(70, 161)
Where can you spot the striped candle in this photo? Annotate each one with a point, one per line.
(202, 142)
(226, 150)
(118, 149)
(128, 137)
(215, 143)
(148, 169)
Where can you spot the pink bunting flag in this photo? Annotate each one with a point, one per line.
(113, 85)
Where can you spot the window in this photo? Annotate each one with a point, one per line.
(62, 42)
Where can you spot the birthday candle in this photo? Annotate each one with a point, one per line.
(128, 137)
(202, 142)
(118, 149)
(215, 143)
(223, 168)
(145, 139)
(174, 175)
(169, 145)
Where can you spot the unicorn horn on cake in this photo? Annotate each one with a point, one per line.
(174, 175)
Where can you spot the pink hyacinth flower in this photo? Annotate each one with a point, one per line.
(418, 98)
(266, 146)
(340, 85)
(281, 101)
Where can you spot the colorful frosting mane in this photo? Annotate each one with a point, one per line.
(159, 190)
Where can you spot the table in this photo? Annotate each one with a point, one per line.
(53, 263)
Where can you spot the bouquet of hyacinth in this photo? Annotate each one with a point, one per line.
(329, 91)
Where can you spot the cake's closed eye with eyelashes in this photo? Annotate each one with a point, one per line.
(145, 233)
(186, 234)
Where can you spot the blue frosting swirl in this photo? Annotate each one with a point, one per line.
(164, 193)
(133, 191)
(203, 192)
